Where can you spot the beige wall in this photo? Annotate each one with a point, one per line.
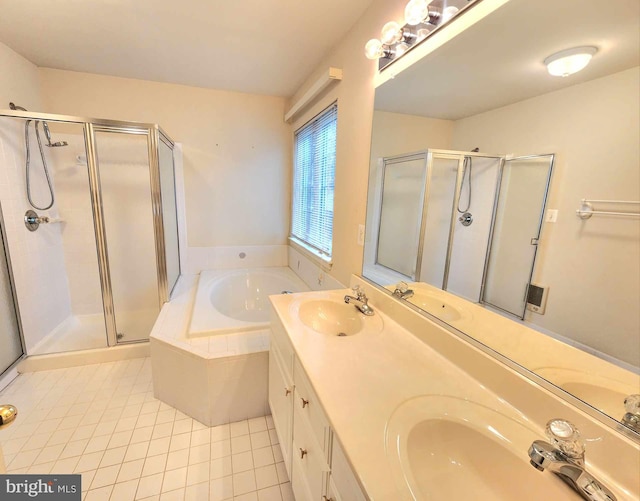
(592, 267)
(19, 81)
(355, 95)
(237, 149)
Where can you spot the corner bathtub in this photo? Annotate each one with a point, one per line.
(210, 344)
(238, 300)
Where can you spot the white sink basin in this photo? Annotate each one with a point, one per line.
(603, 393)
(437, 306)
(330, 317)
(448, 448)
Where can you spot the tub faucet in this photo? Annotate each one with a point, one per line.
(564, 456)
(402, 291)
(360, 301)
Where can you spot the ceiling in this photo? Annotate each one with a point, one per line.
(262, 47)
(499, 60)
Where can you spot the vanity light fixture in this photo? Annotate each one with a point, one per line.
(569, 61)
(421, 18)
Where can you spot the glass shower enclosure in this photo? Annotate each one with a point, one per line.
(96, 269)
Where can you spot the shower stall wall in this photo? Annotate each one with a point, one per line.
(105, 257)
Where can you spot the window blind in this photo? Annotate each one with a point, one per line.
(314, 168)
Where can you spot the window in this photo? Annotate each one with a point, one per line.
(314, 166)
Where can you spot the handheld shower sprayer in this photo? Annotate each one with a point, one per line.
(47, 134)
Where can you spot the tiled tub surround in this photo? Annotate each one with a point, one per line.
(215, 379)
(103, 422)
(361, 379)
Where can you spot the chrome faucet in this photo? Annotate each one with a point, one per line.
(564, 456)
(360, 301)
(402, 291)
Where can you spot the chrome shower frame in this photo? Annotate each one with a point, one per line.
(154, 134)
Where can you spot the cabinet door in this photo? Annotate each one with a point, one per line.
(281, 404)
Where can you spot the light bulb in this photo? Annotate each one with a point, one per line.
(401, 48)
(416, 11)
(449, 12)
(373, 49)
(391, 33)
(570, 61)
(422, 34)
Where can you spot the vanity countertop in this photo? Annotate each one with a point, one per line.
(361, 379)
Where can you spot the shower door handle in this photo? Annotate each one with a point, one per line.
(535, 241)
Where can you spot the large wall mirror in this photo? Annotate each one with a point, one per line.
(481, 162)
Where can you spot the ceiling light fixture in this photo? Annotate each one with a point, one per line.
(569, 61)
(421, 19)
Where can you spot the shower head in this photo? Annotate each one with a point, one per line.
(47, 133)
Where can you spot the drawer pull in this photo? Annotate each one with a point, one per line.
(325, 498)
(287, 391)
(303, 453)
(304, 402)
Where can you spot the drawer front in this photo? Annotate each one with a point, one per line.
(280, 337)
(344, 481)
(307, 405)
(281, 404)
(309, 456)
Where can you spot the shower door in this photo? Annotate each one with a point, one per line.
(128, 187)
(10, 336)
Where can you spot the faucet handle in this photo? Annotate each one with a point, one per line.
(402, 286)
(358, 292)
(632, 404)
(566, 436)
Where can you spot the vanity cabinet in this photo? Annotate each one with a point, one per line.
(313, 457)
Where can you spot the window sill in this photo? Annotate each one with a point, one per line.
(325, 262)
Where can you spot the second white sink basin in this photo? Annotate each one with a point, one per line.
(448, 448)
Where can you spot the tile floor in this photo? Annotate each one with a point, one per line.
(103, 422)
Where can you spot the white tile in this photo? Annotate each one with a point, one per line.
(197, 473)
(273, 437)
(200, 437)
(198, 492)
(73, 449)
(287, 492)
(220, 449)
(101, 494)
(49, 454)
(142, 434)
(257, 424)
(126, 424)
(244, 482)
(182, 426)
(124, 491)
(221, 432)
(66, 466)
(251, 496)
(177, 459)
(130, 470)
(145, 420)
(177, 495)
(136, 451)
(86, 477)
(105, 476)
(281, 470)
(89, 462)
(220, 467)
(178, 442)
(240, 444)
(162, 430)
(242, 462)
(260, 439)
(159, 446)
(263, 457)
(154, 464)
(221, 489)
(119, 439)
(96, 444)
(266, 476)
(277, 453)
(149, 486)
(270, 494)
(270, 424)
(174, 479)
(239, 428)
(41, 468)
(199, 454)
(113, 456)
